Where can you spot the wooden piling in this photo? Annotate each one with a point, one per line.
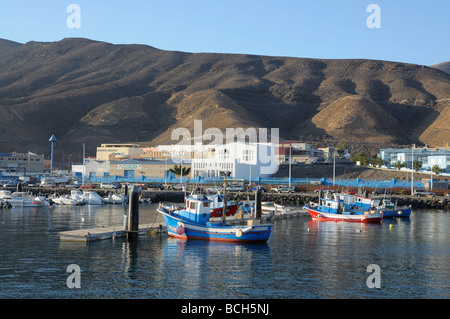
(258, 209)
(133, 213)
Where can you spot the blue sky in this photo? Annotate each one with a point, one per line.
(411, 31)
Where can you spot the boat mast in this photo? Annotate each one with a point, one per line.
(224, 208)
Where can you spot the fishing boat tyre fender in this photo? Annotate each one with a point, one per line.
(240, 232)
(180, 229)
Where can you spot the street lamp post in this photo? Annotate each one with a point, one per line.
(412, 168)
(52, 140)
(84, 170)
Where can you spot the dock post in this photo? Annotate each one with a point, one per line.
(258, 209)
(133, 213)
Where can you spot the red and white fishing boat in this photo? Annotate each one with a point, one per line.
(334, 210)
(216, 205)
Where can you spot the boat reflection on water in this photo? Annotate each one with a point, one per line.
(214, 268)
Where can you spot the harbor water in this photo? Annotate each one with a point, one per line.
(302, 259)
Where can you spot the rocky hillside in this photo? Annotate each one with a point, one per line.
(444, 66)
(95, 92)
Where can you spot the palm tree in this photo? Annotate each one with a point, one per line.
(437, 169)
(399, 164)
(377, 161)
(177, 170)
(417, 165)
(340, 148)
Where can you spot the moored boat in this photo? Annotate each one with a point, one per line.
(90, 197)
(67, 200)
(193, 222)
(115, 199)
(216, 205)
(360, 205)
(389, 209)
(24, 199)
(334, 210)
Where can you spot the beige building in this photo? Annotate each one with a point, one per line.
(22, 162)
(132, 168)
(121, 151)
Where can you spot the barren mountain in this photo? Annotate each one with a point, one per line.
(95, 92)
(444, 66)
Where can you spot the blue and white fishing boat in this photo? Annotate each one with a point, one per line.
(389, 209)
(193, 222)
(359, 204)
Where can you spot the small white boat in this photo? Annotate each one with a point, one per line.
(24, 199)
(67, 200)
(90, 197)
(267, 207)
(114, 199)
(5, 194)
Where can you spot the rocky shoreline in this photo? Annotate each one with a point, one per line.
(296, 199)
(438, 203)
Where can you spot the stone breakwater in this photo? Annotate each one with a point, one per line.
(296, 199)
(302, 199)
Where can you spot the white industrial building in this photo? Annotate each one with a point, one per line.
(242, 160)
(427, 156)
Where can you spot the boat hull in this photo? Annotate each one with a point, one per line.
(355, 218)
(25, 203)
(404, 212)
(182, 229)
(231, 210)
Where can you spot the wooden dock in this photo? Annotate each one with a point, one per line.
(101, 233)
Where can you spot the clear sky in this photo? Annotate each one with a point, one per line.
(412, 31)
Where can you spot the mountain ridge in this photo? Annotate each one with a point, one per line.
(93, 92)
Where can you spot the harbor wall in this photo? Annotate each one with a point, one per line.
(296, 199)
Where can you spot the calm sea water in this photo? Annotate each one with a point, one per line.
(302, 259)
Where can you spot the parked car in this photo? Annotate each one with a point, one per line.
(324, 190)
(383, 191)
(10, 184)
(351, 191)
(448, 194)
(29, 184)
(283, 189)
(87, 186)
(214, 190)
(422, 192)
(71, 186)
(48, 184)
(179, 187)
(254, 188)
(109, 186)
(236, 188)
(153, 185)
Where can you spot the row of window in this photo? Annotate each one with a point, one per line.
(221, 165)
(19, 159)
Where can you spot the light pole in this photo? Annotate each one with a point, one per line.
(412, 168)
(52, 140)
(84, 151)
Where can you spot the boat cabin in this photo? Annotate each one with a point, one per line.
(215, 200)
(330, 206)
(357, 202)
(197, 209)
